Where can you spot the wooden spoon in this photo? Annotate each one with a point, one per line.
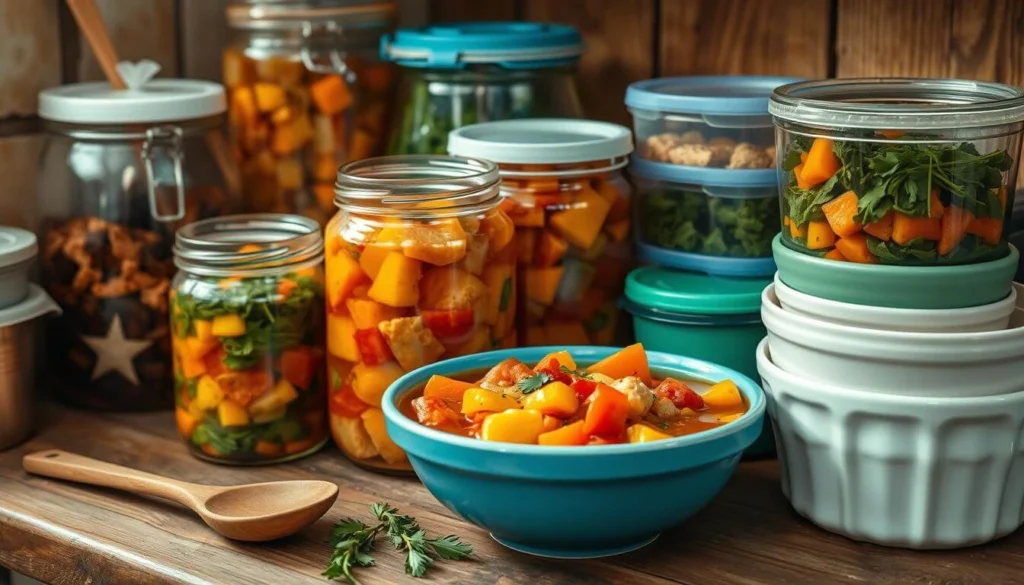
(252, 512)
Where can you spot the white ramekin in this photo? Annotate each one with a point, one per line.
(991, 317)
(894, 362)
(898, 470)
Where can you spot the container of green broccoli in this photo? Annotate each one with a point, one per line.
(708, 220)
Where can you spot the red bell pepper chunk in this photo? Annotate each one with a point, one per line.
(584, 388)
(345, 403)
(681, 395)
(607, 412)
(373, 348)
(554, 370)
(299, 365)
(449, 323)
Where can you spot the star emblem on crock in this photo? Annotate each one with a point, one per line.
(114, 353)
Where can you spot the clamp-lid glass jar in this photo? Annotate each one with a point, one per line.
(898, 171)
(564, 190)
(246, 317)
(453, 75)
(120, 172)
(307, 94)
(420, 267)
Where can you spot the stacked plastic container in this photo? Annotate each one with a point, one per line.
(894, 360)
(704, 217)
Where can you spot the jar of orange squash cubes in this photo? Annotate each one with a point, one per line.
(420, 266)
(564, 191)
(306, 94)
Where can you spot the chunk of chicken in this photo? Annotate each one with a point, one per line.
(663, 408)
(698, 155)
(721, 150)
(434, 412)
(748, 156)
(640, 397)
(413, 344)
(770, 151)
(505, 376)
(450, 288)
(657, 146)
(691, 137)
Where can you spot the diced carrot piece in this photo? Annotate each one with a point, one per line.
(821, 162)
(330, 94)
(186, 422)
(855, 249)
(936, 205)
(628, 361)
(618, 230)
(955, 222)
(443, 387)
(542, 283)
(300, 365)
(835, 254)
(550, 249)
(569, 435)
(581, 223)
(906, 229)
(343, 274)
(238, 70)
(803, 157)
(840, 214)
(269, 96)
(798, 171)
(989, 229)
(499, 229)
(820, 235)
(796, 232)
(881, 229)
(291, 136)
(607, 412)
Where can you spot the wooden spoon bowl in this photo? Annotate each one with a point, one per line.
(252, 512)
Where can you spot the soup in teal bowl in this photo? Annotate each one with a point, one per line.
(575, 501)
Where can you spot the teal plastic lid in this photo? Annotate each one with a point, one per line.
(693, 293)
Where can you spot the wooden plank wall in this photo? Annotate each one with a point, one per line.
(629, 40)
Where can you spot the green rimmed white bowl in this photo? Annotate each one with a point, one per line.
(898, 287)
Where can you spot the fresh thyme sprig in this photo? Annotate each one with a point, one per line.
(353, 541)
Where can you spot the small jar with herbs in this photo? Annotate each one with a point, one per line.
(898, 171)
(247, 308)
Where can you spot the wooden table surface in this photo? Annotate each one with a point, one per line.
(69, 534)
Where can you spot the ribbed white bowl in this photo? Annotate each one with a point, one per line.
(990, 317)
(894, 362)
(898, 470)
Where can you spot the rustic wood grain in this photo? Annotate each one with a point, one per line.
(730, 37)
(66, 533)
(202, 38)
(470, 10)
(618, 39)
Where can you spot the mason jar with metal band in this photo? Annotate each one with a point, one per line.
(307, 94)
(453, 75)
(247, 324)
(120, 172)
(564, 190)
(420, 267)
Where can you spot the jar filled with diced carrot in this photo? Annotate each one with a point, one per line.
(420, 264)
(565, 192)
(307, 93)
(247, 310)
(898, 171)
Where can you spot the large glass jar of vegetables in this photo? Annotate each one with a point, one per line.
(564, 191)
(453, 75)
(307, 94)
(121, 171)
(247, 323)
(420, 267)
(898, 171)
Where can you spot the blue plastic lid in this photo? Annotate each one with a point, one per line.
(713, 265)
(674, 291)
(513, 45)
(722, 94)
(709, 176)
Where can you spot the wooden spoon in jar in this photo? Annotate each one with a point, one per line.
(253, 512)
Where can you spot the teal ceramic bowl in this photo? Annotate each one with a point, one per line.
(897, 287)
(711, 318)
(574, 502)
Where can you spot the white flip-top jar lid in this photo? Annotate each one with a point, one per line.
(157, 100)
(16, 246)
(541, 141)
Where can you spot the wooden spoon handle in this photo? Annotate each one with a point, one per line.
(63, 465)
(89, 20)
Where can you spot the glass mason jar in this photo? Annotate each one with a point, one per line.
(246, 317)
(420, 267)
(307, 94)
(456, 75)
(120, 172)
(563, 188)
(898, 171)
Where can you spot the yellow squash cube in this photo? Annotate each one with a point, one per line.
(278, 397)
(228, 326)
(208, 394)
(367, 314)
(397, 283)
(342, 274)
(641, 433)
(477, 400)
(542, 284)
(724, 394)
(341, 341)
(373, 421)
(232, 414)
(555, 399)
(204, 329)
(513, 426)
(372, 258)
(370, 382)
(581, 223)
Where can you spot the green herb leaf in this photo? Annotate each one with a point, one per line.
(506, 295)
(534, 382)
(578, 373)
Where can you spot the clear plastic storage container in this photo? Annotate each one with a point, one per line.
(898, 171)
(453, 75)
(120, 172)
(717, 222)
(564, 190)
(247, 308)
(706, 122)
(420, 267)
(308, 93)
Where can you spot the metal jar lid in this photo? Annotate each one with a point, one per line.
(218, 246)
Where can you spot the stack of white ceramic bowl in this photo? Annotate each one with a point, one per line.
(903, 427)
